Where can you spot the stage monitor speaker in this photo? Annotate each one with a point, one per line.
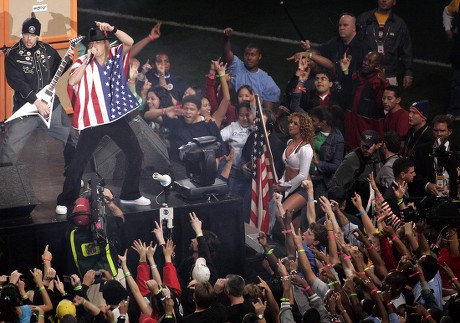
(17, 197)
(187, 189)
(109, 160)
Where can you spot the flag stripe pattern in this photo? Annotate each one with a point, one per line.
(262, 176)
(102, 95)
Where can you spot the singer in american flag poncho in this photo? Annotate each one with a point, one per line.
(101, 99)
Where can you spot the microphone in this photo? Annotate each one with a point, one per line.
(91, 56)
(165, 180)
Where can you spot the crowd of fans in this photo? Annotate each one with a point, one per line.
(353, 249)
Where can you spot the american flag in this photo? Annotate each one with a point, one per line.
(102, 95)
(262, 176)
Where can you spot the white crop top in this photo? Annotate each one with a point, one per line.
(299, 159)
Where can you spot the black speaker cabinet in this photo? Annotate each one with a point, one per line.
(17, 197)
(109, 160)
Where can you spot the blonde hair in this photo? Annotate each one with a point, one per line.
(307, 131)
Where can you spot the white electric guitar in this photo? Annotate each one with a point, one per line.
(47, 94)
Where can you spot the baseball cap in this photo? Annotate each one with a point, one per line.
(81, 212)
(200, 272)
(421, 107)
(65, 307)
(369, 138)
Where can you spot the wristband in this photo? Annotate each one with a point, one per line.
(269, 252)
(370, 247)
(344, 69)
(41, 288)
(282, 216)
(414, 274)
(361, 213)
(153, 266)
(114, 30)
(377, 198)
(310, 55)
(84, 302)
(163, 111)
(373, 291)
(221, 75)
(131, 82)
(25, 296)
(199, 235)
(389, 304)
(46, 259)
(427, 316)
(141, 261)
(41, 315)
(331, 237)
(353, 294)
(284, 299)
(286, 231)
(300, 250)
(347, 257)
(367, 268)
(453, 279)
(168, 316)
(151, 37)
(394, 238)
(159, 291)
(400, 201)
(77, 288)
(310, 200)
(301, 81)
(343, 312)
(127, 274)
(306, 289)
(302, 89)
(333, 282)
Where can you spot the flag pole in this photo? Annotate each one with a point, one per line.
(269, 149)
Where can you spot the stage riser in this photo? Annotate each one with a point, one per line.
(17, 197)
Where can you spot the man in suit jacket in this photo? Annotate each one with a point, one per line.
(435, 165)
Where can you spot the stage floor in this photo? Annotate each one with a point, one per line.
(22, 239)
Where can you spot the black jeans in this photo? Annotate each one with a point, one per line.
(122, 134)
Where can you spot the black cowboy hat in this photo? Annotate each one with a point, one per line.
(95, 34)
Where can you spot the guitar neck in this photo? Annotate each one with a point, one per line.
(60, 70)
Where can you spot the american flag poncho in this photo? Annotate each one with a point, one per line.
(102, 95)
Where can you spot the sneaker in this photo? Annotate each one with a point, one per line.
(61, 209)
(140, 201)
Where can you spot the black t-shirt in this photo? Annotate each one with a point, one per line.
(182, 133)
(235, 313)
(214, 314)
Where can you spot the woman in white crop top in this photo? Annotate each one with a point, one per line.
(297, 158)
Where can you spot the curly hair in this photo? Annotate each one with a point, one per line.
(307, 131)
(163, 95)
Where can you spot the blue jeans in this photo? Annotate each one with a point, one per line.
(122, 134)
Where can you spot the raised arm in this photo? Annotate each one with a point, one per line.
(152, 36)
(221, 111)
(123, 37)
(227, 56)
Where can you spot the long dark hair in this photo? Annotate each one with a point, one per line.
(9, 300)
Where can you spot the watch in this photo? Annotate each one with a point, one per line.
(260, 316)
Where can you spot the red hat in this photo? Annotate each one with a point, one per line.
(81, 213)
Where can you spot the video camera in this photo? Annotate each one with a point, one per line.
(436, 211)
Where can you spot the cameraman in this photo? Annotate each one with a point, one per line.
(436, 162)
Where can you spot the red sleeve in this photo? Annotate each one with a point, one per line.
(386, 252)
(143, 274)
(170, 278)
(379, 88)
(210, 93)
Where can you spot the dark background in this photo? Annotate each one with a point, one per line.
(190, 50)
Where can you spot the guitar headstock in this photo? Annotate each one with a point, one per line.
(74, 41)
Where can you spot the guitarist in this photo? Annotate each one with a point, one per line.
(30, 65)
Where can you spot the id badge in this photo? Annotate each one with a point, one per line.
(440, 183)
(380, 49)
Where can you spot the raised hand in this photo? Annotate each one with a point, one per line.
(357, 202)
(14, 277)
(305, 44)
(196, 223)
(325, 205)
(158, 232)
(46, 255)
(282, 269)
(155, 33)
(151, 250)
(59, 286)
(228, 31)
(122, 258)
(140, 248)
(399, 193)
(168, 250)
(296, 236)
(38, 276)
(259, 306)
(262, 238)
(345, 61)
